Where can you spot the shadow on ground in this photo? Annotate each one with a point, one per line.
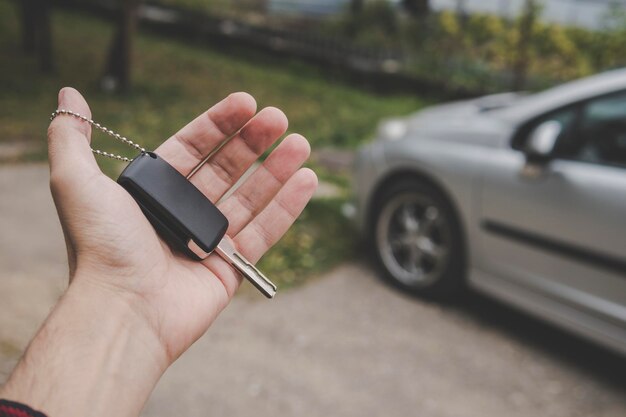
(594, 360)
(559, 345)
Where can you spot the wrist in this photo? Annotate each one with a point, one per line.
(95, 353)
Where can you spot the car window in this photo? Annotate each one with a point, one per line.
(602, 131)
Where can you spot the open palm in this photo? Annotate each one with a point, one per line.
(108, 236)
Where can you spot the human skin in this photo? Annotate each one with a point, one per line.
(133, 305)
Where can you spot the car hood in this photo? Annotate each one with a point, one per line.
(472, 121)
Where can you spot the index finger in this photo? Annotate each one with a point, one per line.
(190, 145)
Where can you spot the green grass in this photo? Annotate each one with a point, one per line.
(173, 82)
(319, 239)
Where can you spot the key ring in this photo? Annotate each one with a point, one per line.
(178, 211)
(105, 130)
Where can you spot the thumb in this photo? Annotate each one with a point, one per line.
(69, 137)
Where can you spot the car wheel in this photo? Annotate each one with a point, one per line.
(417, 239)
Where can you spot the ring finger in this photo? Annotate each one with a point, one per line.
(259, 189)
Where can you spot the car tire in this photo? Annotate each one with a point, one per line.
(417, 239)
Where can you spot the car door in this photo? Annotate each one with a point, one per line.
(561, 232)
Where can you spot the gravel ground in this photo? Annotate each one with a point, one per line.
(343, 345)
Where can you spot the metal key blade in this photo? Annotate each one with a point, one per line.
(227, 251)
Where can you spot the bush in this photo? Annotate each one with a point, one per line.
(377, 25)
(472, 50)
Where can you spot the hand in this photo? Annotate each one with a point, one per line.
(133, 306)
(112, 245)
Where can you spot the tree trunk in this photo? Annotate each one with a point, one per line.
(461, 12)
(29, 31)
(526, 24)
(417, 8)
(37, 31)
(356, 6)
(119, 63)
(46, 58)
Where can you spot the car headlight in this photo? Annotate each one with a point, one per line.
(393, 129)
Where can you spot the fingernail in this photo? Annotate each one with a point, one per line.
(61, 96)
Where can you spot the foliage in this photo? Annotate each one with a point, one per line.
(376, 25)
(319, 239)
(481, 50)
(217, 7)
(173, 83)
(556, 53)
(477, 51)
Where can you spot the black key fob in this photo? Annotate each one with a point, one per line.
(179, 212)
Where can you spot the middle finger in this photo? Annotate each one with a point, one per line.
(224, 168)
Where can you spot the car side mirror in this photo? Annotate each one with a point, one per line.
(542, 142)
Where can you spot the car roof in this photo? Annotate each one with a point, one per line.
(572, 92)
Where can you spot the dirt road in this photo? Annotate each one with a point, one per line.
(343, 345)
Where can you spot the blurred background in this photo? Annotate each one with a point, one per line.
(337, 340)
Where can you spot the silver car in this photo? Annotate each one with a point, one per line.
(521, 197)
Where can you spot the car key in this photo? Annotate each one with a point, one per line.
(178, 211)
(184, 216)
